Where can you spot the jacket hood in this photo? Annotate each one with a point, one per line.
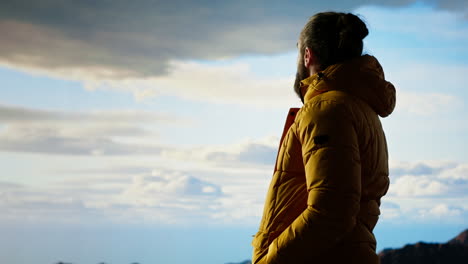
(362, 77)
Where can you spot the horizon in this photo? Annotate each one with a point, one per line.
(147, 132)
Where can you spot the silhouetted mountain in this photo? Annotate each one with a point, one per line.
(462, 238)
(454, 251)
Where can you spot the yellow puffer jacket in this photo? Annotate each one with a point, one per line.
(331, 170)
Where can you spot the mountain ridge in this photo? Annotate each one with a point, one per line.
(454, 251)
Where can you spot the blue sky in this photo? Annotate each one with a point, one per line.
(125, 136)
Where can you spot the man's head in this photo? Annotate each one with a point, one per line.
(328, 38)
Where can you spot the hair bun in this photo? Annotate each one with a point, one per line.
(351, 26)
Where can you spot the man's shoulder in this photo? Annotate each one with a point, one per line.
(332, 97)
(331, 113)
(327, 105)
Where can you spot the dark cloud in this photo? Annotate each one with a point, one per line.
(77, 133)
(416, 169)
(49, 141)
(9, 185)
(419, 168)
(118, 38)
(258, 153)
(17, 114)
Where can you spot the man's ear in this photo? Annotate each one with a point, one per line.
(307, 57)
(310, 61)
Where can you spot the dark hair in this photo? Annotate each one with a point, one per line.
(333, 37)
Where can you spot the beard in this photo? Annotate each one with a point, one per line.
(301, 74)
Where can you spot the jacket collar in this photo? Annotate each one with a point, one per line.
(313, 86)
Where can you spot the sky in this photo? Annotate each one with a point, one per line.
(146, 131)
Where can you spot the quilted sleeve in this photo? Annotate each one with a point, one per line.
(331, 159)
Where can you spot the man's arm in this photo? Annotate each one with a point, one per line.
(333, 174)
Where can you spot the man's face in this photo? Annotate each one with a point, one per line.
(301, 74)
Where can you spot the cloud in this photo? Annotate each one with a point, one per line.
(437, 213)
(121, 39)
(390, 210)
(218, 196)
(428, 191)
(173, 196)
(105, 47)
(443, 210)
(117, 132)
(231, 82)
(160, 196)
(418, 168)
(161, 184)
(9, 185)
(254, 152)
(456, 173)
(210, 184)
(18, 114)
(48, 140)
(235, 82)
(428, 179)
(251, 152)
(20, 202)
(219, 184)
(421, 185)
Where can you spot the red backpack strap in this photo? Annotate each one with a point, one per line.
(289, 121)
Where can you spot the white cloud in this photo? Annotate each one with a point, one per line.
(215, 196)
(421, 185)
(428, 191)
(440, 212)
(399, 168)
(389, 210)
(259, 152)
(443, 210)
(428, 179)
(187, 189)
(458, 173)
(232, 82)
(161, 195)
(162, 187)
(39, 205)
(216, 184)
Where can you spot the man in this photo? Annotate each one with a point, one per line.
(332, 165)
